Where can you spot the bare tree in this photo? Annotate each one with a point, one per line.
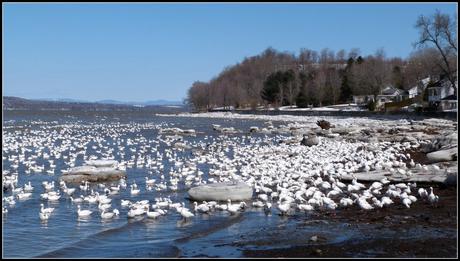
(439, 31)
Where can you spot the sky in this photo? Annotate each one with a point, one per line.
(149, 51)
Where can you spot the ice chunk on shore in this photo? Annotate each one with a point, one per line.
(221, 191)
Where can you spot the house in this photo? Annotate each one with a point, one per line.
(391, 94)
(419, 88)
(438, 91)
(449, 103)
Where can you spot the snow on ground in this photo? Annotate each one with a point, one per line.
(339, 121)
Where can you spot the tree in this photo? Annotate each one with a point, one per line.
(439, 30)
(302, 100)
(397, 77)
(271, 90)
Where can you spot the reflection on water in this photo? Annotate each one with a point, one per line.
(184, 223)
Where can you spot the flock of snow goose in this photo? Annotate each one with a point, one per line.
(291, 177)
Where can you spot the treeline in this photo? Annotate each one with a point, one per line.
(314, 78)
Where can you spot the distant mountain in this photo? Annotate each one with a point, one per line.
(60, 100)
(108, 101)
(17, 103)
(147, 103)
(163, 102)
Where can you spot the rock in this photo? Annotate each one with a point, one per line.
(409, 139)
(102, 163)
(181, 145)
(325, 125)
(227, 130)
(221, 192)
(309, 141)
(177, 131)
(92, 174)
(442, 155)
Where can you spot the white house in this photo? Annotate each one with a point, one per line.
(438, 91)
(419, 88)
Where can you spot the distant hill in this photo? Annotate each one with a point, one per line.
(17, 103)
(154, 102)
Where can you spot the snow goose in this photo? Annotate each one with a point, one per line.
(386, 201)
(233, 208)
(77, 200)
(54, 197)
(43, 216)
(28, 187)
(83, 213)
(23, 195)
(108, 215)
(185, 213)
(345, 202)
(45, 210)
(284, 208)
(134, 190)
(202, 208)
(149, 182)
(422, 192)
(432, 197)
(363, 204)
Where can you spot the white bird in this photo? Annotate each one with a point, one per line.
(107, 215)
(149, 181)
(233, 209)
(345, 202)
(77, 200)
(386, 201)
(377, 203)
(134, 190)
(83, 213)
(406, 202)
(45, 210)
(432, 197)
(364, 204)
(185, 213)
(53, 197)
(202, 208)
(284, 208)
(125, 203)
(44, 216)
(28, 187)
(422, 192)
(305, 207)
(153, 214)
(23, 195)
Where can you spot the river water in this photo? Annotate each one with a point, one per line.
(209, 235)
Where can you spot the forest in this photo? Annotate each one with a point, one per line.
(326, 77)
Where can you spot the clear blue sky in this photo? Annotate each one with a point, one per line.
(139, 52)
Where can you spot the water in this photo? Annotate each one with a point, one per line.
(64, 235)
(210, 235)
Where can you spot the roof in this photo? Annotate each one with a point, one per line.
(450, 97)
(390, 90)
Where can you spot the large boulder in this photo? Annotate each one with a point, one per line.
(103, 173)
(442, 155)
(310, 140)
(102, 163)
(221, 192)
